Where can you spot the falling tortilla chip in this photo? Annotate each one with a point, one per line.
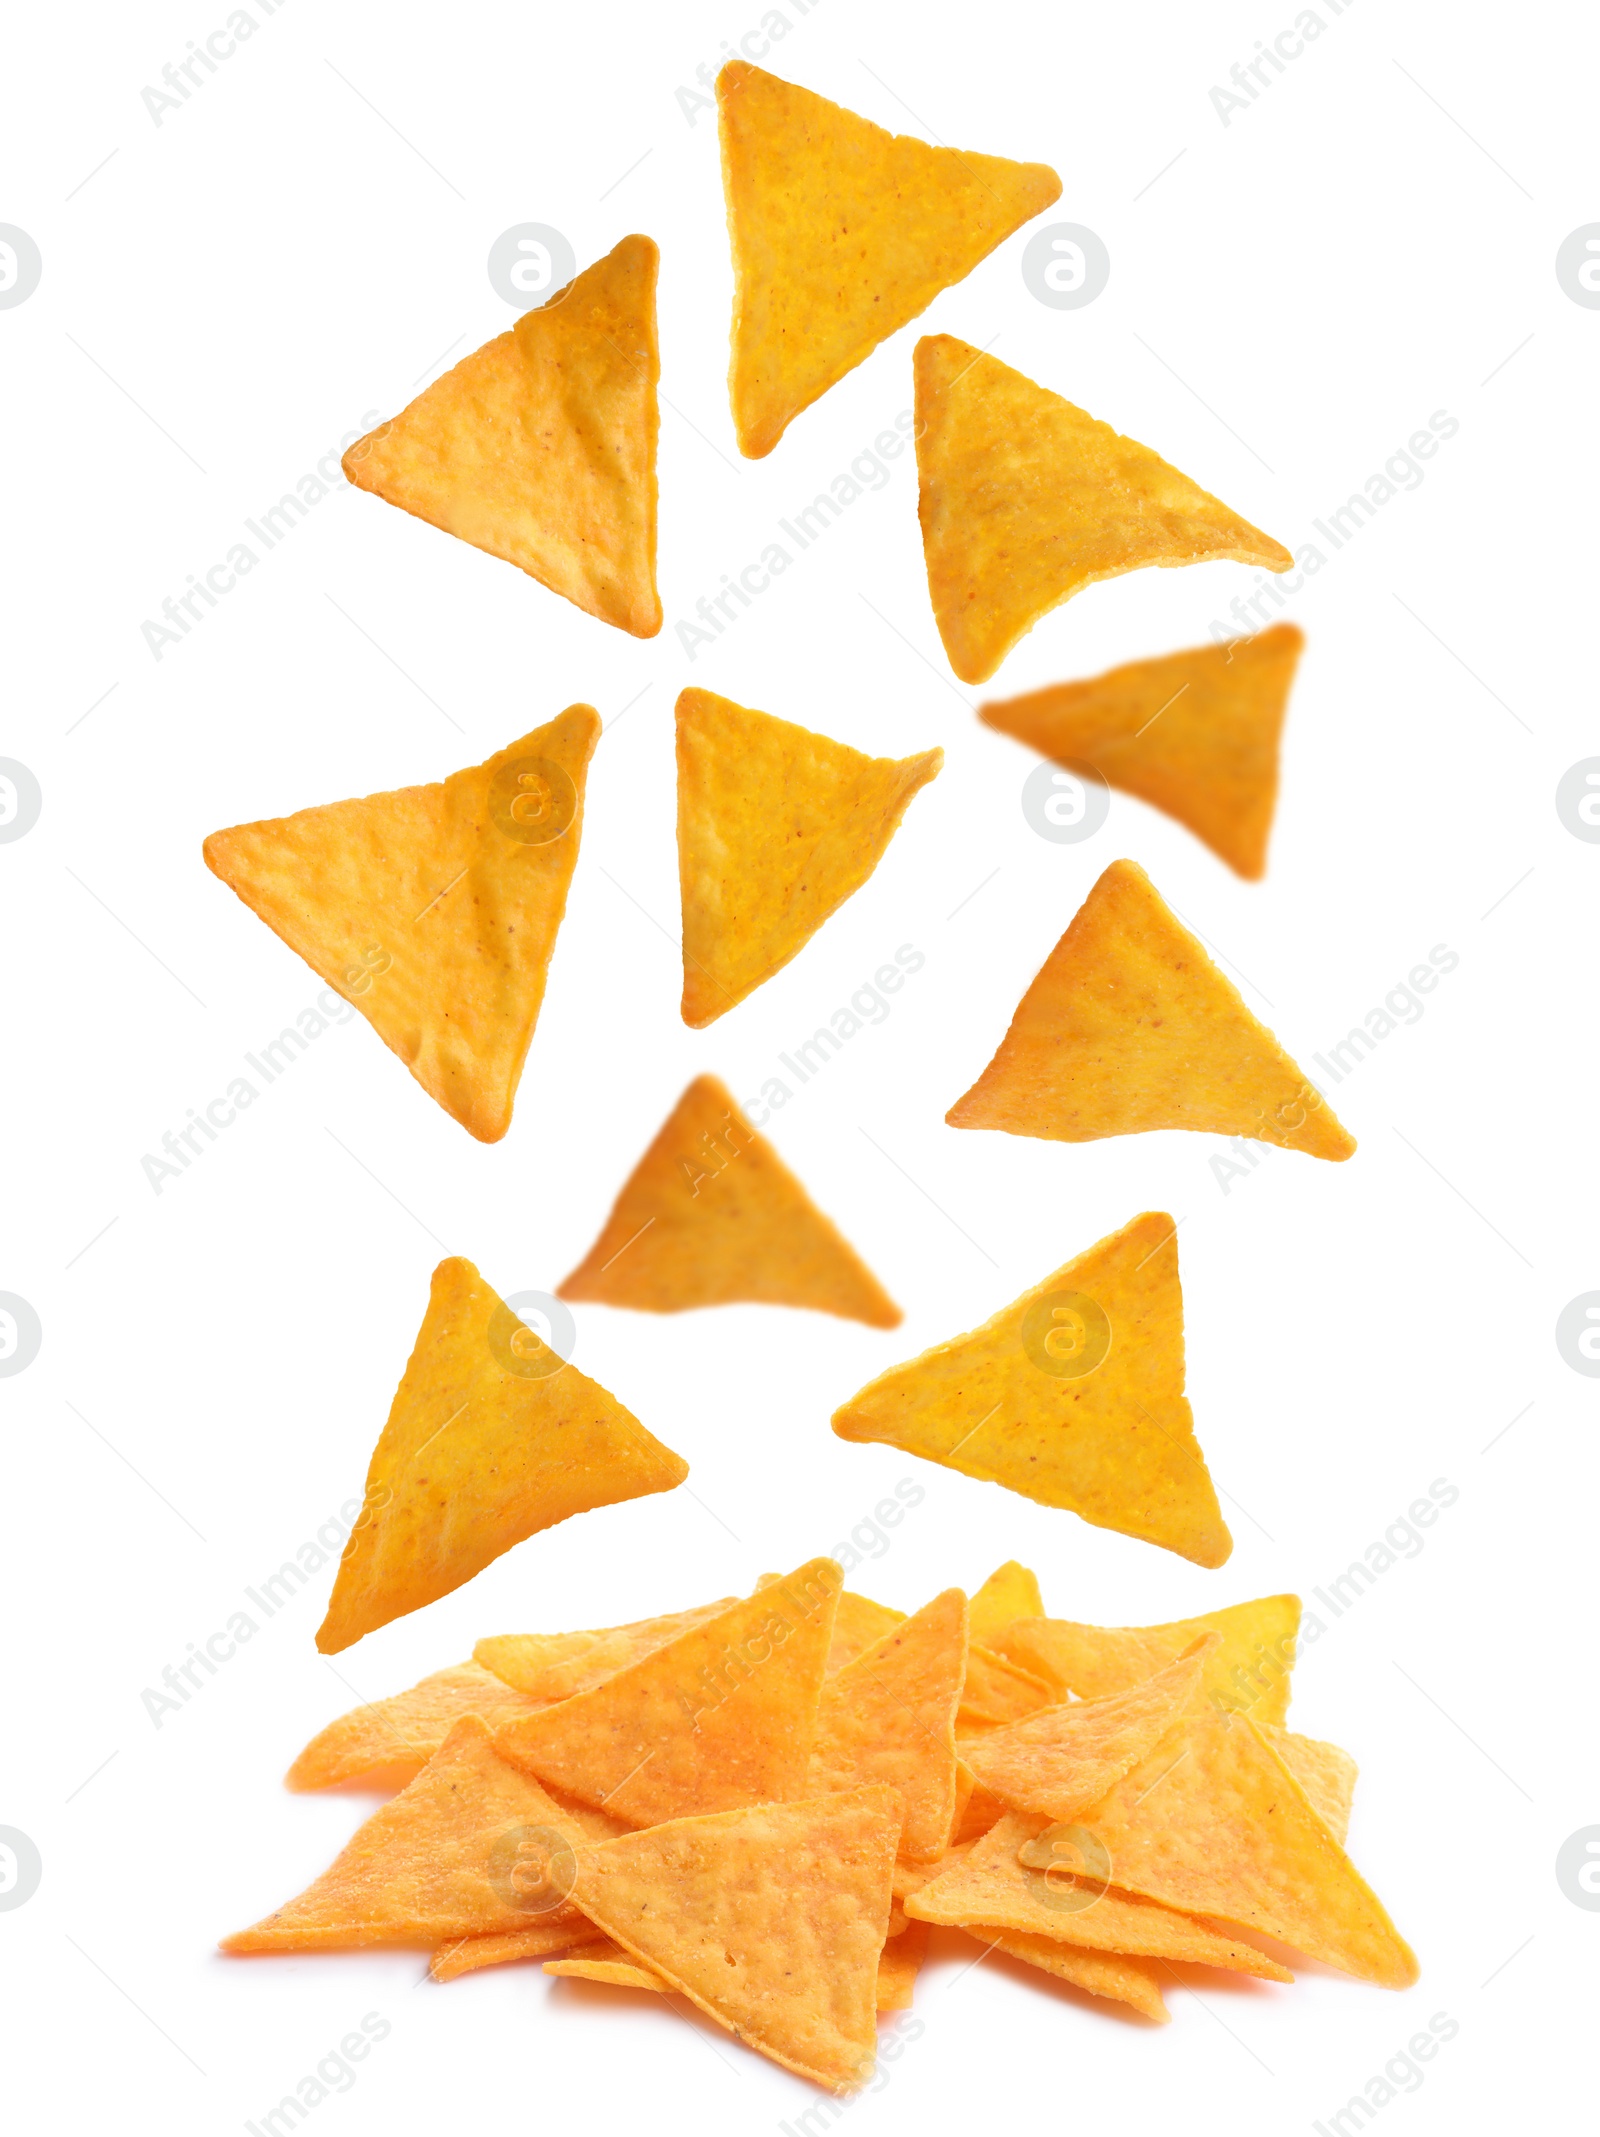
(841, 233)
(777, 826)
(889, 1716)
(721, 1717)
(1215, 1823)
(1248, 1673)
(1327, 1775)
(433, 910)
(1129, 1026)
(466, 1955)
(1058, 1763)
(540, 447)
(997, 1691)
(552, 1666)
(1072, 1395)
(1194, 734)
(490, 1438)
(1115, 1975)
(1025, 500)
(996, 1887)
(770, 1919)
(1010, 1592)
(391, 1740)
(469, 1848)
(711, 1216)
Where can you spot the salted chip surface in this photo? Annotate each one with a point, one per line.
(393, 1739)
(841, 232)
(1326, 1773)
(1214, 1822)
(1025, 500)
(889, 1716)
(722, 1716)
(1128, 1026)
(711, 1216)
(1010, 1592)
(490, 1438)
(1072, 1395)
(610, 1963)
(1249, 1672)
(471, 1847)
(771, 1919)
(860, 1623)
(433, 910)
(1195, 734)
(777, 827)
(540, 447)
(998, 1691)
(1117, 1976)
(899, 1964)
(467, 1955)
(551, 1666)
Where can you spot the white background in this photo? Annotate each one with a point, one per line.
(1291, 297)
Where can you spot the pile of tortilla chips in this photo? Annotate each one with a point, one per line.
(762, 1805)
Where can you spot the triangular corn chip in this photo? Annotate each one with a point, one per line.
(469, 1848)
(998, 1691)
(777, 826)
(899, 1964)
(466, 1955)
(1248, 1673)
(475, 1457)
(711, 1216)
(610, 1963)
(1115, 1975)
(1215, 1823)
(1072, 1395)
(1057, 1763)
(841, 233)
(770, 1919)
(889, 1716)
(1010, 1592)
(720, 1717)
(551, 1666)
(1327, 1774)
(1129, 1026)
(858, 1626)
(1195, 734)
(540, 447)
(393, 1739)
(1026, 500)
(993, 1888)
(433, 910)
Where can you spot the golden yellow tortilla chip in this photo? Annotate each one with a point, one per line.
(1194, 734)
(389, 1742)
(1214, 1822)
(1327, 1775)
(1010, 1592)
(466, 1955)
(1026, 500)
(1057, 1763)
(610, 1963)
(1129, 1026)
(997, 1691)
(490, 1438)
(858, 1626)
(722, 1716)
(770, 1919)
(469, 1848)
(889, 1716)
(841, 232)
(711, 1216)
(551, 1666)
(899, 1964)
(540, 447)
(994, 1888)
(1115, 1975)
(1248, 1673)
(1072, 1395)
(777, 826)
(433, 910)
(980, 1813)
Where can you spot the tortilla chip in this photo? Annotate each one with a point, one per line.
(1327, 1775)
(475, 1457)
(997, 1691)
(1215, 1823)
(551, 1666)
(610, 1963)
(1114, 1975)
(470, 1847)
(1194, 734)
(1247, 1674)
(1129, 1026)
(1026, 500)
(395, 1738)
(982, 1812)
(992, 1890)
(465, 1955)
(1058, 1763)
(770, 1919)
(1072, 1395)
(777, 826)
(540, 447)
(911, 1877)
(860, 1624)
(712, 1216)
(721, 1717)
(899, 1964)
(889, 1717)
(1010, 1592)
(841, 232)
(433, 910)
